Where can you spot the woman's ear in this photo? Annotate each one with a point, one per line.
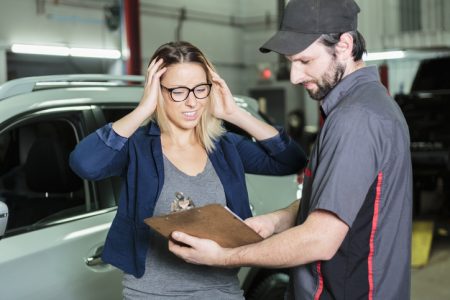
(344, 47)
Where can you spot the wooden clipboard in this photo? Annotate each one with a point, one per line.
(212, 221)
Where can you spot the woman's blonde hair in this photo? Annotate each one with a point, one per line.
(209, 128)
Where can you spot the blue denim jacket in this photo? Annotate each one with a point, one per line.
(139, 161)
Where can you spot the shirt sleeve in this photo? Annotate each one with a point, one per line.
(348, 163)
(101, 154)
(278, 155)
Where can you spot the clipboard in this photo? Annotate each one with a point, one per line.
(212, 221)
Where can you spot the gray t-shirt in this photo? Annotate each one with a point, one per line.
(167, 276)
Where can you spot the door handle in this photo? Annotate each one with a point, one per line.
(96, 258)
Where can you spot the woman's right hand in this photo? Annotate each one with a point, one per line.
(128, 124)
(152, 89)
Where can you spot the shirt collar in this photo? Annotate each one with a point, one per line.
(359, 76)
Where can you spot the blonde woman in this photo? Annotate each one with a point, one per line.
(183, 149)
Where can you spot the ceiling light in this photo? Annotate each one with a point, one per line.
(384, 55)
(43, 50)
(97, 53)
(66, 51)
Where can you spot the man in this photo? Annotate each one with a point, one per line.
(350, 238)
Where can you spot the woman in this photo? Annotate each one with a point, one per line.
(183, 149)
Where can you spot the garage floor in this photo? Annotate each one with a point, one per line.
(432, 281)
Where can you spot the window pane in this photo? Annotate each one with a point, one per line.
(36, 181)
(114, 114)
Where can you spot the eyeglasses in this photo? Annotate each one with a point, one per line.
(181, 93)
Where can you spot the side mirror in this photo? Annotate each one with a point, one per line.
(3, 218)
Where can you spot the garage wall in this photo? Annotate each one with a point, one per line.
(229, 32)
(82, 25)
(25, 21)
(43, 22)
(207, 25)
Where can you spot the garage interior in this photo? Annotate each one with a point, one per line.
(408, 40)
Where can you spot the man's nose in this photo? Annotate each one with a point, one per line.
(297, 74)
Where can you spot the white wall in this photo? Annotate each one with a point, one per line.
(20, 22)
(221, 43)
(82, 26)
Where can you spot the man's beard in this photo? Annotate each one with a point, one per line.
(328, 81)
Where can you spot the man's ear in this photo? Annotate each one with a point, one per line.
(344, 47)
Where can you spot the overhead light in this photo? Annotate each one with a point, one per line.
(43, 50)
(66, 51)
(98, 53)
(384, 55)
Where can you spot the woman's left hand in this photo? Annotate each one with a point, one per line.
(225, 106)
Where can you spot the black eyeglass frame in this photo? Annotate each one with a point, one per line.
(170, 90)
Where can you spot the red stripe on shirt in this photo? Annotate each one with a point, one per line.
(372, 233)
(320, 287)
(308, 172)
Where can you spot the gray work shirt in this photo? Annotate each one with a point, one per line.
(360, 170)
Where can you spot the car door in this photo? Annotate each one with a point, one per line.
(57, 222)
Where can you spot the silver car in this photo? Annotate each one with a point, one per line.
(52, 223)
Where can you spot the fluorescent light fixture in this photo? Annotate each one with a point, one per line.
(97, 53)
(43, 50)
(383, 55)
(66, 51)
(75, 83)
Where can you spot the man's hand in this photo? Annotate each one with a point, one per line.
(198, 251)
(274, 222)
(263, 225)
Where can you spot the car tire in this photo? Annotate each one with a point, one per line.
(273, 287)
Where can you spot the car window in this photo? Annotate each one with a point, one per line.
(112, 114)
(36, 181)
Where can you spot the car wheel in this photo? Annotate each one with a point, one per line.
(273, 287)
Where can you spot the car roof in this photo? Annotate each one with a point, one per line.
(42, 92)
(67, 97)
(29, 84)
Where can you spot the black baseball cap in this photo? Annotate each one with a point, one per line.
(304, 21)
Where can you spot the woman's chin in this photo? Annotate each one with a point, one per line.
(188, 124)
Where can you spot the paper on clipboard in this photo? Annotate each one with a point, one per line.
(213, 221)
